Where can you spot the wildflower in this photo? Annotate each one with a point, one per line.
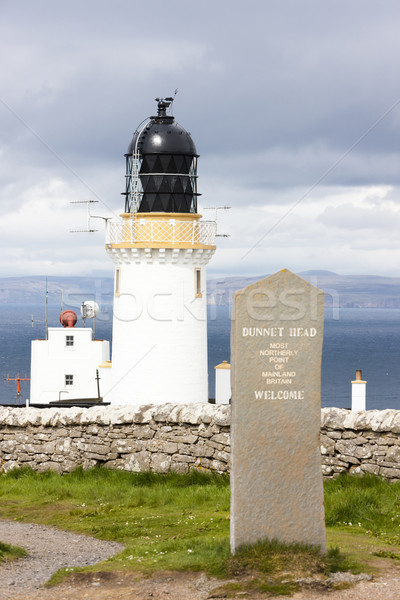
(189, 550)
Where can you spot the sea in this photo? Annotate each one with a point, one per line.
(354, 338)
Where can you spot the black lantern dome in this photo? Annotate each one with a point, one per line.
(161, 166)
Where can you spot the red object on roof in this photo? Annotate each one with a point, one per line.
(68, 318)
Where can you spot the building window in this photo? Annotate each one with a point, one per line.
(69, 340)
(69, 380)
(117, 281)
(197, 283)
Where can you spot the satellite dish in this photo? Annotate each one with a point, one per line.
(89, 309)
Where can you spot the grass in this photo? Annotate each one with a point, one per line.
(181, 522)
(366, 504)
(8, 552)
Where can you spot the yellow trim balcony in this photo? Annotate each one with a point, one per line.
(160, 230)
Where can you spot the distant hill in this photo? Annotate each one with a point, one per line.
(348, 291)
(32, 290)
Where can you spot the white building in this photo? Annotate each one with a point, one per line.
(160, 248)
(63, 367)
(223, 392)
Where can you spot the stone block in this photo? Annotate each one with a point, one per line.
(8, 446)
(218, 466)
(333, 418)
(222, 438)
(355, 470)
(49, 466)
(63, 446)
(333, 460)
(202, 450)
(327, 470)
(345, 447)
(395, 428)
(68, 466)
(70, 416)
(327, 445)
(144, 414)
(334, 435)
(363, 452)
(101, 449)
(143, 432)
(93, 429)
(222, 415)
(125, 446)
(160, 463)
(162, 412)
(205, 433)
(369, 468)
(203, 463)
(222, 456)
(23, 457)
(101, 457)
(360, 440)
(382, 441)
(196, 413)
(382, 462)
(348, 435)
(185, 439)
(183, 458)
(138, 462)
(170, 447)
(389, 472)
(214, 445)
(393, 454)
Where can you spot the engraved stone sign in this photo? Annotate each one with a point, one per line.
(276, 348)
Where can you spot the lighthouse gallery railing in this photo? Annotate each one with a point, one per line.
(133, 231)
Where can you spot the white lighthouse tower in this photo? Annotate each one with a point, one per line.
(160, 248)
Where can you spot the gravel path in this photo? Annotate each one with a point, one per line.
(49, 549)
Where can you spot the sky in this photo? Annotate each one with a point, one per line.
(294, 108)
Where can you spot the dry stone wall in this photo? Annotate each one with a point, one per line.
(157, 438)
(178, 438)
(361, 442)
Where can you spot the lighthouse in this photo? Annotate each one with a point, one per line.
(160, 247)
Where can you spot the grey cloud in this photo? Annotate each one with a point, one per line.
(349, 216)
(274, 94)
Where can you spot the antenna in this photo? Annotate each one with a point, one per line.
(89, 216)
(45, 314)
(17, 380)
(171, 111)
(217, 208)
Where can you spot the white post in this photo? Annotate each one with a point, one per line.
(358, 393)
(223, 383)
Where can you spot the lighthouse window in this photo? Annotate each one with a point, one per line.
(197, 283)
(69, 380)
(69, 340)
(117, 281)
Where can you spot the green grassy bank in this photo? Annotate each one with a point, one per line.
(182, 522)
